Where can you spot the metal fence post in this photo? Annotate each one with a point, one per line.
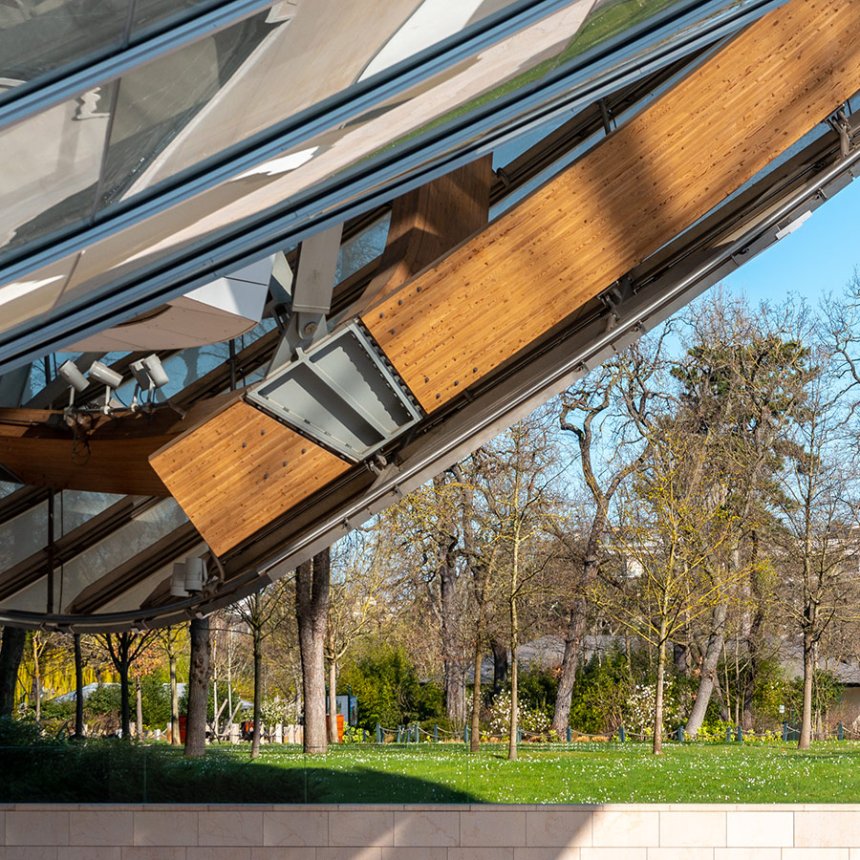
(840, 732)
(740, 734)
(378, 733)
(465, 734)
(785, 731)
(681, 734)
(569, 734)
(435, 734)
(728, 734)
(622, 735)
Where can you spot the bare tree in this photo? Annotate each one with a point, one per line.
(610, 405)
(123, 649)
(262, 612)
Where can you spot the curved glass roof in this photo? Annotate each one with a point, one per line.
(284, 118)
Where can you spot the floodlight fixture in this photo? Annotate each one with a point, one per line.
(177, 580)
(157, 374)
(70, 373)
(195, 574)
(111, 380)
(150, 375)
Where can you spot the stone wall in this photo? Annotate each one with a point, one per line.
(253, 832)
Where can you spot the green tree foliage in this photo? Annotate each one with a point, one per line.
(388, 689)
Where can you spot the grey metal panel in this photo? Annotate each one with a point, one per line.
(341, 393)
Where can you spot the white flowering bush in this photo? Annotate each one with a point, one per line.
(529, 719)
(641, 705)
(276, 712)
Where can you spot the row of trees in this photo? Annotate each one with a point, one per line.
(690, 505)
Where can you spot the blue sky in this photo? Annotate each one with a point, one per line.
(818, 258)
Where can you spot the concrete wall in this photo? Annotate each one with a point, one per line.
(634, 832)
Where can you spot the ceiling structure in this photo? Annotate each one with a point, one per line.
(358, 243)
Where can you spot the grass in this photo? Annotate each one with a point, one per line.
(447, 773)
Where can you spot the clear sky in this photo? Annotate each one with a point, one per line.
(818, 258)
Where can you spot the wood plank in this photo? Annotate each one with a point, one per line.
(534, 266)
(428, 222)
(110, 456)
(241, 470)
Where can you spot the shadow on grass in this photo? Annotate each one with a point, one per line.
(114, 772)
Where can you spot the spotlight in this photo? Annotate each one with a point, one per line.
(195, 574)
(68, 370)
(177, 581)
(111, 380)
(150, 375)
(157, 374)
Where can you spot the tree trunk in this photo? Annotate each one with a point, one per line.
(11, 654)
(500, 665)
(79, 687)
(312, 593)
(332, 706)
(198, 689)
(515, 704)
(709, 670)
(138, 695)
(569, 666)
(657, 746)
(808, 674)
(37, 678)
(475, 735)
(576, 624)
(174, 699)
(258, 693)
(124, 698)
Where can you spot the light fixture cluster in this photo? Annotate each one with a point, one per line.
(149, 374)
(188, 576)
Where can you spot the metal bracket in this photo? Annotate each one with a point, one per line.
(310, 301)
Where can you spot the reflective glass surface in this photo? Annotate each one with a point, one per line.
(498, 74)
(46, 37)
(97, 561)
(40, 36)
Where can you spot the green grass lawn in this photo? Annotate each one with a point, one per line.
(446, 773)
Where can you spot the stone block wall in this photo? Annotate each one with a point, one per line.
(391, 832)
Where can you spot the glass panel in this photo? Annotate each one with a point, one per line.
(157, 101)
(23, 535)
(150, 12)
(339, 155)
(49, 165)
(41, 36)
(99, 560)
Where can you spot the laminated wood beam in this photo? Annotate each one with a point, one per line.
(654, 177)
(109, 456)
(510, 284)
(424, 225)
(239, 470)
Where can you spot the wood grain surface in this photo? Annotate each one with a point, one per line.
(645, 183)
(239, 471)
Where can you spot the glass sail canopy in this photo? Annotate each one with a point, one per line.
(283, 117)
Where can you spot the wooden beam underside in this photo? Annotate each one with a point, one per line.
(111, 456)
(510, 284)
(642, 186)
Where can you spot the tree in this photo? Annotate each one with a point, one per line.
(611, 404)
(11, 652)
(741, 382)
(362, 573)
(198, 688)
(171, 638)
(262, 612)
(820, 519)
(519, 498)
(123, 649)
(671, 530)
(312, 597)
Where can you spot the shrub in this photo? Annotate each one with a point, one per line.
(600, 694)
(386, 685)
(530, 719)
